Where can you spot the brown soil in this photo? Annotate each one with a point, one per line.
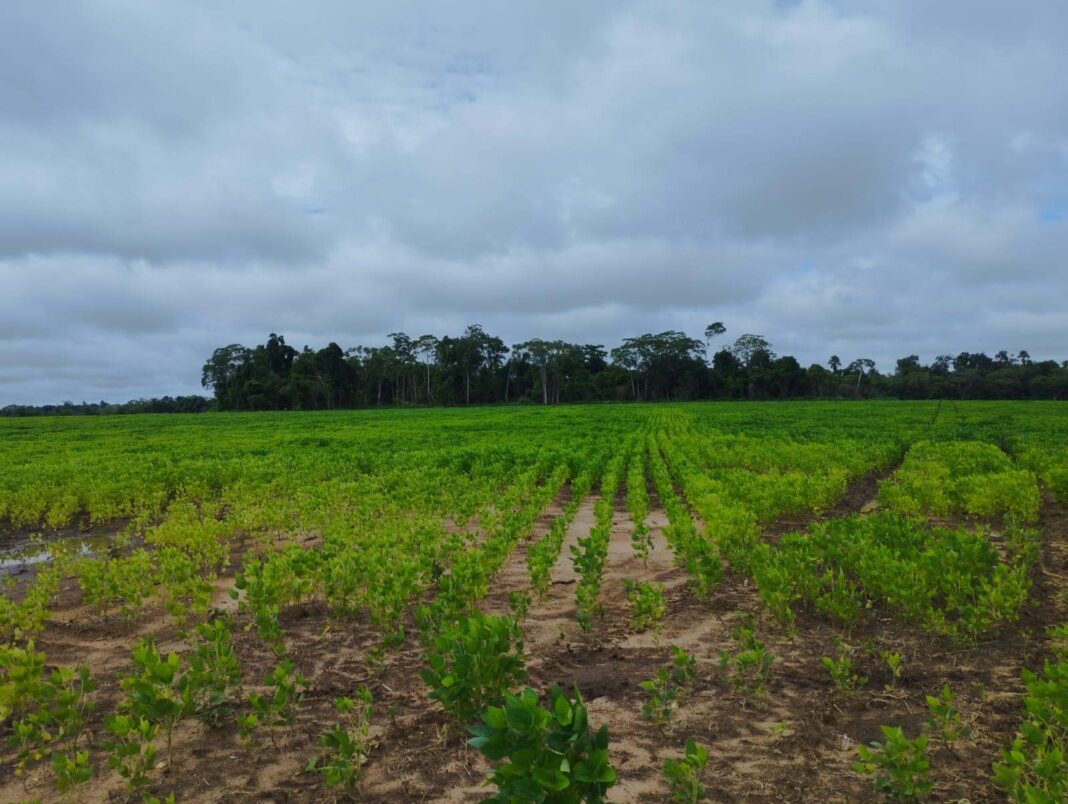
(794, 743)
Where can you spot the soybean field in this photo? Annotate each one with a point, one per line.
(765, 602)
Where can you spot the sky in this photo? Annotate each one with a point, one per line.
(866, 179)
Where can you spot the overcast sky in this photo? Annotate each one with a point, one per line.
(870, 179)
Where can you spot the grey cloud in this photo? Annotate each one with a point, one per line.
(859, 178)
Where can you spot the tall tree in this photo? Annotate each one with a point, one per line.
(749, 346)
(224, 374)
(541, 354)
(427, 347)
(862, 366)
(404, 361)
(713, 330)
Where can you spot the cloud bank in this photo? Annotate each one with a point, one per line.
(862, 178)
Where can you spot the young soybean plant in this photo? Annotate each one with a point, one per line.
(54, 707)
(899, 765)
(213, 672)
(274, 709)
(157, 692)
(671, 685)
(519, 605)
(749, 667)
(132, 748)
(549, 755)
(944, 719)
(684, 775)
(841, 669)
(473, 663)
(893, 661)
(647, 604)
(347, 744)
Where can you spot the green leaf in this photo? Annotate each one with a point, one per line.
(562, 708)
(551, 779)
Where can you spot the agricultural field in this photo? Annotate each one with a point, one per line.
(732, 602)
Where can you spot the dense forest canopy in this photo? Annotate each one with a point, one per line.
(479, 368)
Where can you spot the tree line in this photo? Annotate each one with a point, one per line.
(163, 404)
(479, 368)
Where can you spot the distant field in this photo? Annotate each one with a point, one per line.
(822, 568)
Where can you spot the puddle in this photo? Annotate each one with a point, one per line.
(18, 558)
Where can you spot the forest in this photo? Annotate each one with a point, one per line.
(479, 368)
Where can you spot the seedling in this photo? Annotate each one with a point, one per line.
(899, 765)
(274, 709)
(841, 670)
(132, 753)
(158, 693)
(671, 685)
(213, 673)
(748, 669)
(646, 603)
(71, 770)
(1035, 768)
(893, 661)
(684, 775)
(54, 706)
(519, 605)
(944, 719)
(345, 746)
(641, 539)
